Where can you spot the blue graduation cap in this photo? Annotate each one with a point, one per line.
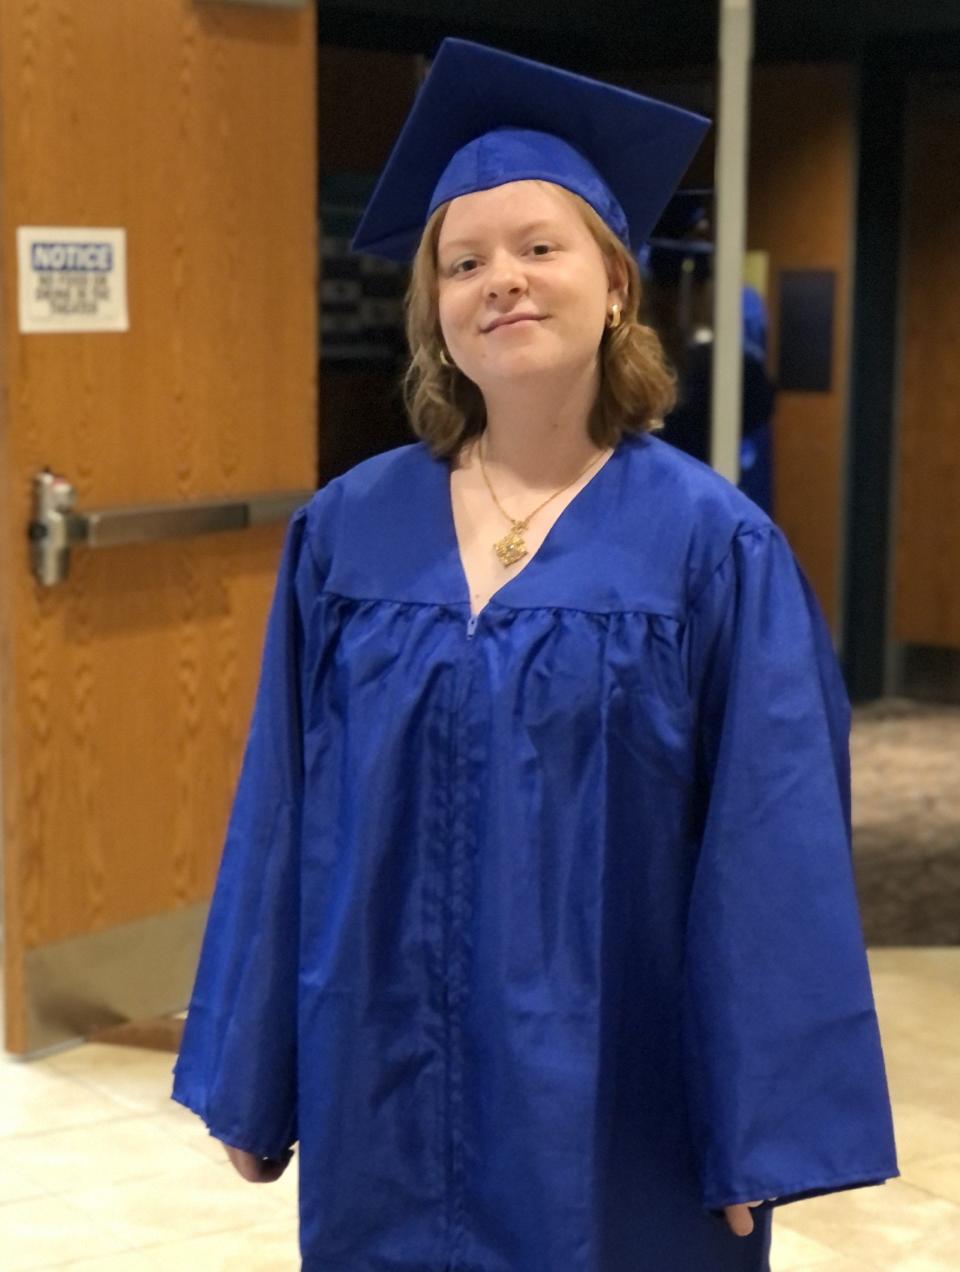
(483, 117)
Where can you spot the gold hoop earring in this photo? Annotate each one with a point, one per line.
(614, 316)
(444, 361)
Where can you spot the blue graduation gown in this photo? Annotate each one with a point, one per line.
(538, 931)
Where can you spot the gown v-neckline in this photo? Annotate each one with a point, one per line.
(549, 538)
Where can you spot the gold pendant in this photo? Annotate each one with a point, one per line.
(512, 547)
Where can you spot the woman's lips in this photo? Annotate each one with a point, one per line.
(514, 322)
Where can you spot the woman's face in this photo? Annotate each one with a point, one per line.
(520, 249)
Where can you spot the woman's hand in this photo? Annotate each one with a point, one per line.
(739, 1218)
(257, 1170)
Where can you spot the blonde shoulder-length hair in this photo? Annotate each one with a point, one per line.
(638, 387)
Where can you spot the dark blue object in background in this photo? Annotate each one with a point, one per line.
(806, 330)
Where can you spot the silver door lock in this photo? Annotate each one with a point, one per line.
(50, 530)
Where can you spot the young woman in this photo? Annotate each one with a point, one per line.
(536, 925)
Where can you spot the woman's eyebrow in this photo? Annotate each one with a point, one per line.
(520, 230)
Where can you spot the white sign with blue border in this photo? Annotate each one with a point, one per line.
(72, 278)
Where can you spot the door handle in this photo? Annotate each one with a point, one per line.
(56, 526)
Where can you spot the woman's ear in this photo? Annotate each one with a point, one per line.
(617, 279)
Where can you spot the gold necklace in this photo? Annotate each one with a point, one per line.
(512, 547)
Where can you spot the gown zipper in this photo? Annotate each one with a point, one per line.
(456, 914)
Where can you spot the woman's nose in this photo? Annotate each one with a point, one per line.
(505, 276)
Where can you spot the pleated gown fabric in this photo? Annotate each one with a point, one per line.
(537, 932)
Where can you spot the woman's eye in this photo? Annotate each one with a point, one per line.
(458, 268)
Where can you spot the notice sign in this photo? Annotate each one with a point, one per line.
(72, 278)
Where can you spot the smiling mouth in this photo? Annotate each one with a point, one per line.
(514, 322)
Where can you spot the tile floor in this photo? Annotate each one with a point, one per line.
(102, 1172)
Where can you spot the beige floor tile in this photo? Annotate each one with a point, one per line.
(921, 1133)
(46, 1232)
(938, 1254)
(791, 1250)
(926, 1263)
(138, 1079)
(201, 1200)
(925, 1008)
(34, 1099)
(840, 1264)
(878, 1225)
(16, 1182)
(128, 1148)
(186, 1127)
(128, 1261)
(931, 962)
(920, 1072)
(937, 1175)
(262, 1248)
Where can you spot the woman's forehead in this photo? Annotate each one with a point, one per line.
(513, 206)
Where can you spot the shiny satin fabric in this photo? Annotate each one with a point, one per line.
(538, 933)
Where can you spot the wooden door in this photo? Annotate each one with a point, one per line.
(802, 207)
(926, 566)
(126, 689)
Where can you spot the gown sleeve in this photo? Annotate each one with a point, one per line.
(783, 1070)
(237, 1063)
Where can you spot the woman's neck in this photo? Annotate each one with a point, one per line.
(536, 443)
